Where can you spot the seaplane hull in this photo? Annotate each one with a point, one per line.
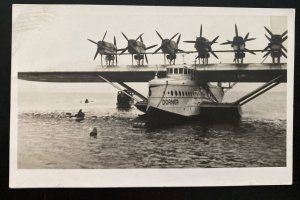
(178, 97)
(206, 112)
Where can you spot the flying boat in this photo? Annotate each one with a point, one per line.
(183, 91)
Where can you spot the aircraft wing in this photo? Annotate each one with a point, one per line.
(149, 53)
(204, 73)
(127, 73)
(227, 51)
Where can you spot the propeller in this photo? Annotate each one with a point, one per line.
(178, 39)
(159, 35)
(250, 51)
(99, 44)
(96, 55)
(283, 39)
(284, 55)
(130, 42)
(124, 36)
(104, 36)
(150, 47)
(92, 41)
(248, 39)
(173, 36)
(214, 40)
(267, 54)
(274, 41)
(268, 37)
(236, 30)
(159, 48)
(269, 31)
(201, 30)
(203, 42)
(165, 42)
(115, 43)
(97, 51)
(228, 42)
(213, 53)
(238, 39)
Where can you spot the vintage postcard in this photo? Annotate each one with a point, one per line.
(151, 96)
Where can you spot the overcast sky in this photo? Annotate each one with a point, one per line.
(45, 36)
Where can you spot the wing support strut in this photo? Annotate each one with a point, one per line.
(134, 91)
(117, 87)
(257, 92)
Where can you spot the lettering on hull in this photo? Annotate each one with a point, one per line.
(170, 102)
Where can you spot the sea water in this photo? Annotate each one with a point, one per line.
(48, 138)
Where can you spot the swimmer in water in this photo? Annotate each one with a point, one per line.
(94, 132)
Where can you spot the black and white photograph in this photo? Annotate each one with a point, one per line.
(147, 96)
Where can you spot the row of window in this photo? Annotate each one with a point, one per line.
(186, 93)
(179, 71)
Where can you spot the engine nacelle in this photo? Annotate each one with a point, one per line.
(171, 56)
(139, 57)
